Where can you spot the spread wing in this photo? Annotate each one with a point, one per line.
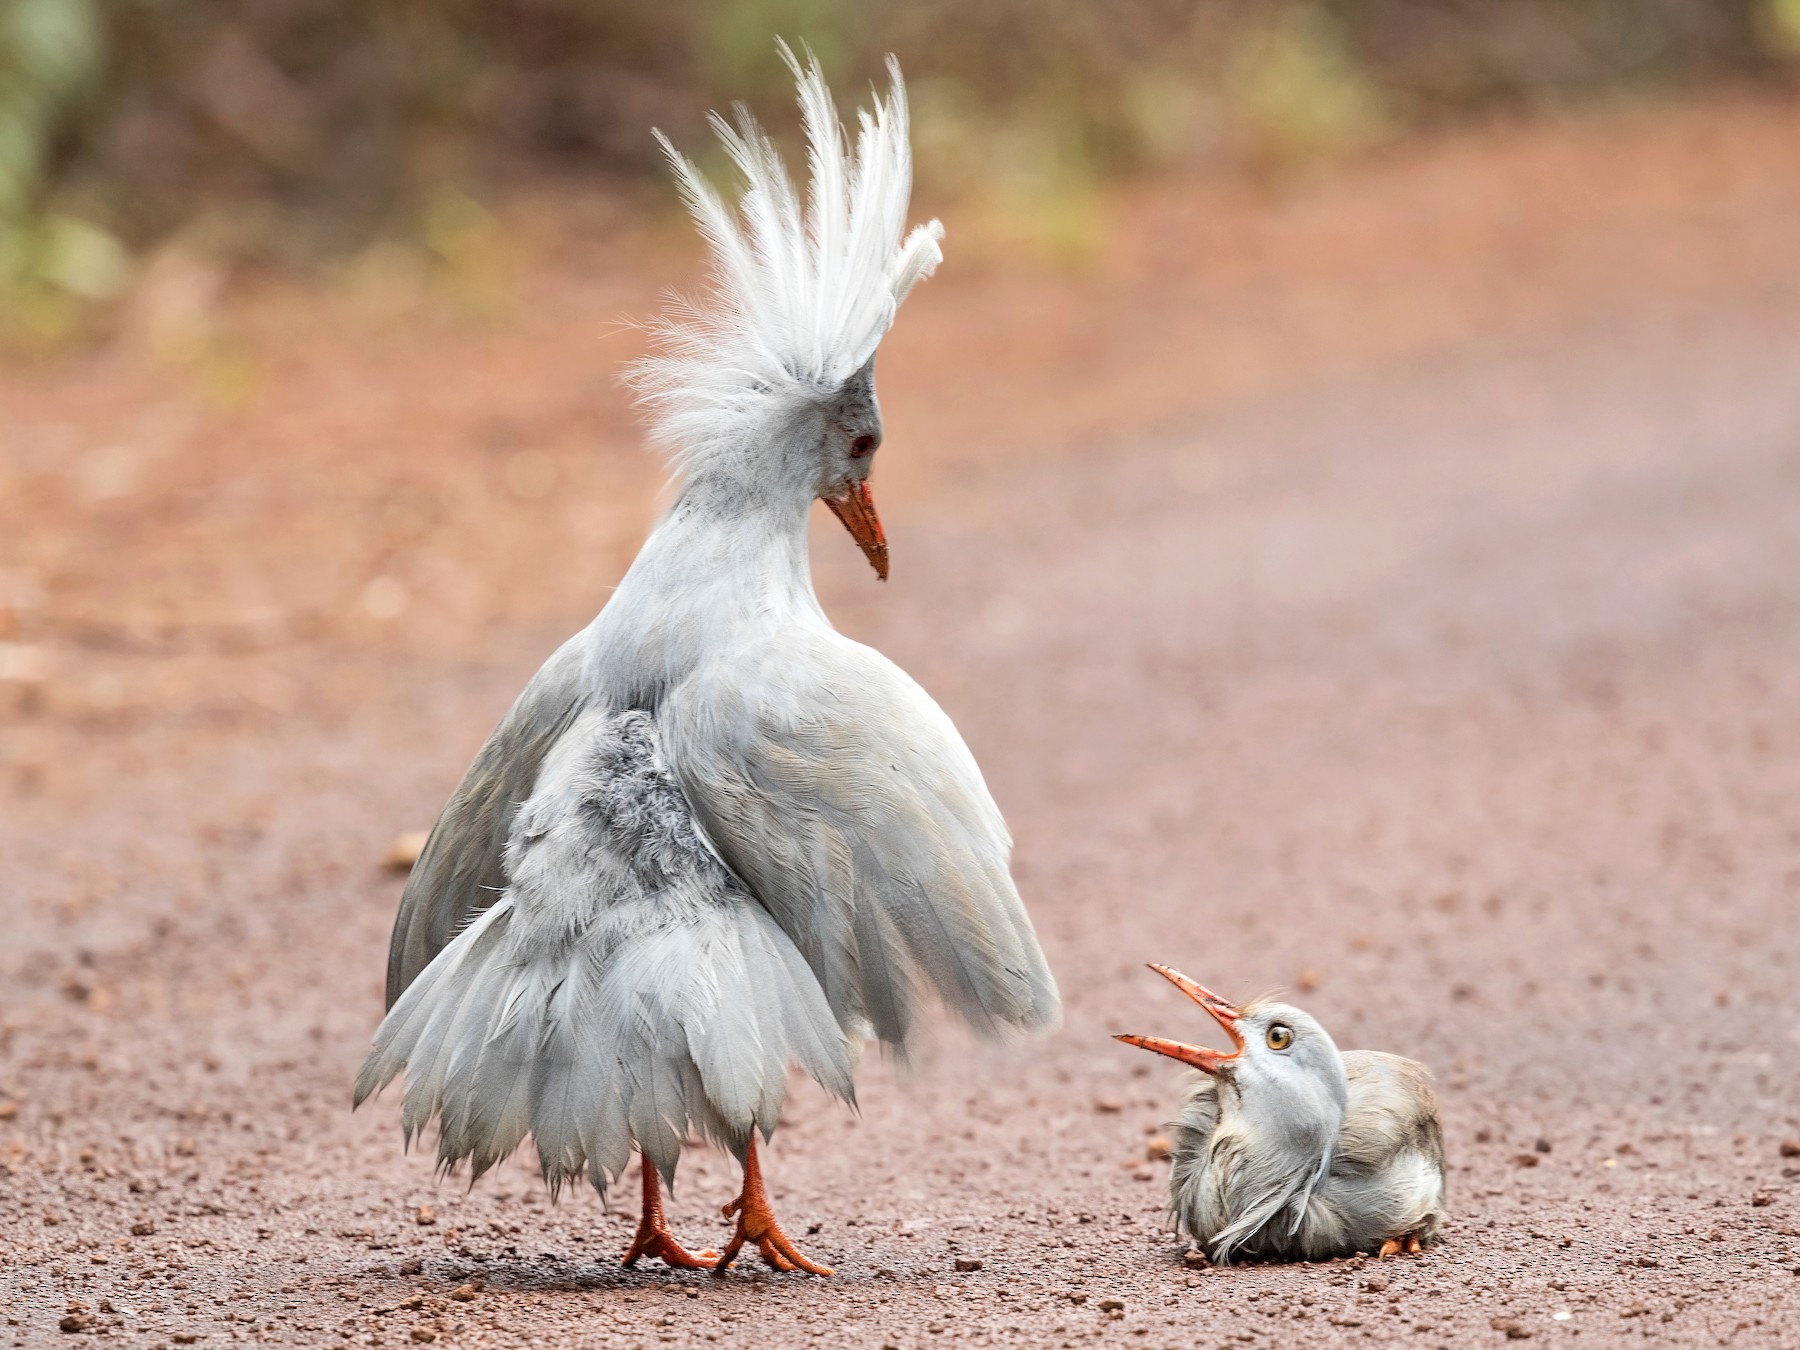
(461, 871)
(842, 796)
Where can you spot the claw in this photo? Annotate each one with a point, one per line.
(756, 1223)
(666, 1249)
(653, 1236)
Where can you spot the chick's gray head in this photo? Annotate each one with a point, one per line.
(1289, 1071)
(1284, 1067)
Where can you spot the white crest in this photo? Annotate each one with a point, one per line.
(798, 300)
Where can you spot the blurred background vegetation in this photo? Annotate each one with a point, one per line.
(296, 130)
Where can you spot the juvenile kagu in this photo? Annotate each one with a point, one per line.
(1290, 1149)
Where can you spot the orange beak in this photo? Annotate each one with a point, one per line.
(1223, 1011)
(856, 508)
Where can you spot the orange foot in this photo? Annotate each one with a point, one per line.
(756, 1223)
(653, 1235)
(1406, 1242)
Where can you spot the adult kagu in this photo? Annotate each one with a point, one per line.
(714, 837)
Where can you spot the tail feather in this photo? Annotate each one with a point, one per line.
(656, 1111)
(640, 1032)
(562, 1099)
(499, 1084)
(465, 1003)
(422, 1031)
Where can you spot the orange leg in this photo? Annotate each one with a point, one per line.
(756, 1223)
(653, 1236)
(1407, 1242)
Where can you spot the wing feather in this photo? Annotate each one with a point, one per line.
(845, 800)
(462, 871)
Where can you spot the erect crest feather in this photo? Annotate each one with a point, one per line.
(799, 297)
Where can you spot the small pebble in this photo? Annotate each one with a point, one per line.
(1158, 1147)
(1108, 1105)
(466, 1293)
(426, 1216)
(405, 849)
(1790, 1148)
(967, 1264)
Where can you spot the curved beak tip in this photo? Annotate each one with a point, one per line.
(855, 510)
(1221, 1010)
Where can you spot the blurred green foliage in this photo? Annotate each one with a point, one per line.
(1300, 91)
(1781, 26)
(52, 54)
(295, 127)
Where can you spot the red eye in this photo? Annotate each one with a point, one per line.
(861, 446)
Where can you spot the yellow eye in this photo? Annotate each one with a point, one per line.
(1280, 1037)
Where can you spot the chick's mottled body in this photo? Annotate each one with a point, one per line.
(1386, 1178)
(1290, 1149)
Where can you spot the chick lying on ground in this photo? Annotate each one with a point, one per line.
(1289, 1149)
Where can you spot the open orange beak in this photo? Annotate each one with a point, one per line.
(856, 508)
(1223, 1011)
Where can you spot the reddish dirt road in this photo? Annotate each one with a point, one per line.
(1386, 588)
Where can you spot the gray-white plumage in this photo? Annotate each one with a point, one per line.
(1290, 1149)
(714, 837)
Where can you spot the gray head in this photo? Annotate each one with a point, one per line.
(764, 390)
(823, 445)
(1284, 1081)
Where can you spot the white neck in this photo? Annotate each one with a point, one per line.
(1298, 1116)
(727, 563)
(1289, 1127)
